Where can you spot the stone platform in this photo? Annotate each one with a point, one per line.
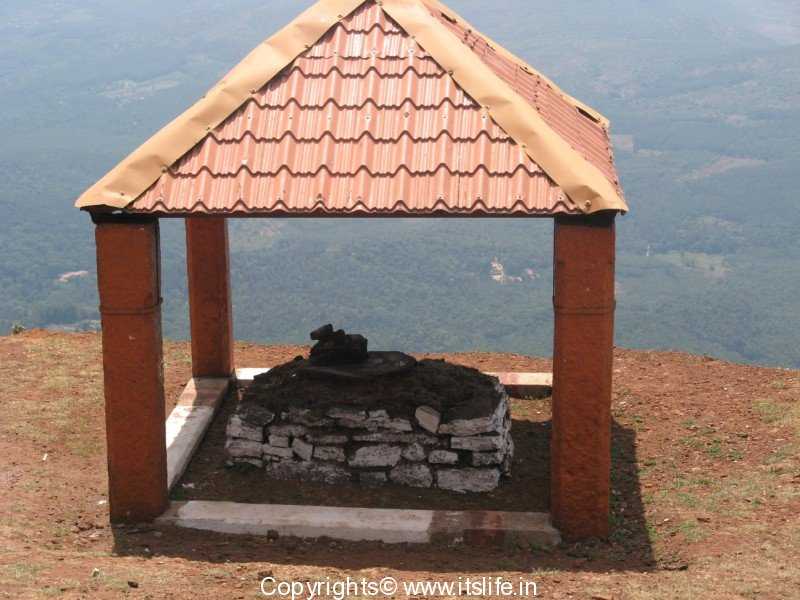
(390, 526)
(439, 426)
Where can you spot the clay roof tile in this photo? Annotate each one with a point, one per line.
(398, 108)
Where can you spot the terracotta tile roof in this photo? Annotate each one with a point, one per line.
(584, 133)
(365, 121)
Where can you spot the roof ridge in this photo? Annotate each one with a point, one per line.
(581, 181)
(131, 177)
(447, 12)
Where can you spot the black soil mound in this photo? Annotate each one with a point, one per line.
(456, 392)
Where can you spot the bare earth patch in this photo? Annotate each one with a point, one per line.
(706, 490)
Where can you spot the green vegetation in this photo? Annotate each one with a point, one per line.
(703, 95)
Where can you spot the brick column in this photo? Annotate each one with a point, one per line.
(582, 374)
(128, 277)
(208, 266)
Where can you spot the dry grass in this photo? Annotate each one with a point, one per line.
(706, 500)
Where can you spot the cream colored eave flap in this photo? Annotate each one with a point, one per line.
(583, 183)
(596, 115)
(128, 180)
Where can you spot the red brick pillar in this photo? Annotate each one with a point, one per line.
(128, 278)
(208, 266)
(582, 375)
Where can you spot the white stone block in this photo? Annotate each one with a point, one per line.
(443, 457)
(244, 431)
(390, 437)
(413, 475)
(302, 449)
(324, 439)
(466, 427)
(414, 452)
(279, 441)
(254, 414)
(288, 430)
(509, 458)
(428, 418)
(347, 412)
(376, 456)
(279, 452)
(398, 425)
(487, 459)
(479, 443)
(334, 453)
(243, 449)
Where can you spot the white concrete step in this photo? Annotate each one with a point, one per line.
(189, 420)
(391, 526)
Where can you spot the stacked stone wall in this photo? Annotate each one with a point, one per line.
(344, 443)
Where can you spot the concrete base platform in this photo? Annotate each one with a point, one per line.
(391, 526)
(189, 421)
(520, 385)
(526, 385)
(246, 376)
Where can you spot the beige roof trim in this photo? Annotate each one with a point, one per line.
(126, 182)
(583, 183)
(514, 58)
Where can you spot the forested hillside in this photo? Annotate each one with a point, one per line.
(704, 101)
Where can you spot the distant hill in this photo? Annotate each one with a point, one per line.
(703, 100)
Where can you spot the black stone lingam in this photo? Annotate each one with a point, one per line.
(335, 347)
(345, 356)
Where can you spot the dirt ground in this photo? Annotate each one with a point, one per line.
(207, 478)
(706, 491)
